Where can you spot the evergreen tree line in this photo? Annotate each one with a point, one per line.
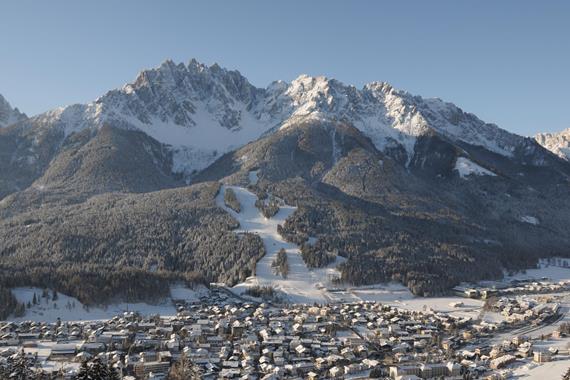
(315, 257)
(96, 285)
(8, 303)
(231, 200)
(268, 207)
(264, 292)
(280, 264)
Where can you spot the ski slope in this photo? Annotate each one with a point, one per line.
(301, 285)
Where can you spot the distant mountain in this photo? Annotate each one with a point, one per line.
(9, 115)
(405, 188)
(558, 143)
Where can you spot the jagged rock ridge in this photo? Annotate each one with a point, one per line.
(204, 111)
(558, 143)
(9, 115)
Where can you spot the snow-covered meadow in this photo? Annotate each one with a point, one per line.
(66, 308)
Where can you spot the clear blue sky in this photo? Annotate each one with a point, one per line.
(506, 61)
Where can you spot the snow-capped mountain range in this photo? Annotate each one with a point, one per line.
(204, 111)
(9, 115)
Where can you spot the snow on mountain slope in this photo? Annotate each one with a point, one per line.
(9, 115)
(200, 111)
(557, 143)
(204, 111)
(465, 167)
(389, 116)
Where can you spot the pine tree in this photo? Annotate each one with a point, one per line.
(83, 373)
(35, 299)
(99, 371)
(5, 369)
(184, 369)
(20, 310)
(113, 373)
(22, 368)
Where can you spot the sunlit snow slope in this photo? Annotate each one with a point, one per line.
(301, 285)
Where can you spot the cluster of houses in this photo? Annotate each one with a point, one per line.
(523, 308)
(235, 339)
(514, 287)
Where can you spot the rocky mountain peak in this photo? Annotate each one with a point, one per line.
(558, 143)
(9, 115)
(203, 111)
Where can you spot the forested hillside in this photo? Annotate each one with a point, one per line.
(127, 245)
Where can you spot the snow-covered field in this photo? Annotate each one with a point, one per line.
(546, 371)
(554, 273)
(456, 306)
(383, 293)
(69, 308)
(399, 296)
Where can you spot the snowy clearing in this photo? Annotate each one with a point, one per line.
(399, 296)
(546, 371)
(69, 308)
(552, 272)
(530, 219)
(466, 167)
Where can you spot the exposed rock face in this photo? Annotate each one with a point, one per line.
(9, 115)
(204, 111)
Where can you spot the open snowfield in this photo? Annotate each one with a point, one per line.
(399, 296)
(544, 270)
(385, 293)
(554, 273)
(466, 167)
(456, 306)
(69, 308)
(546, 371)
